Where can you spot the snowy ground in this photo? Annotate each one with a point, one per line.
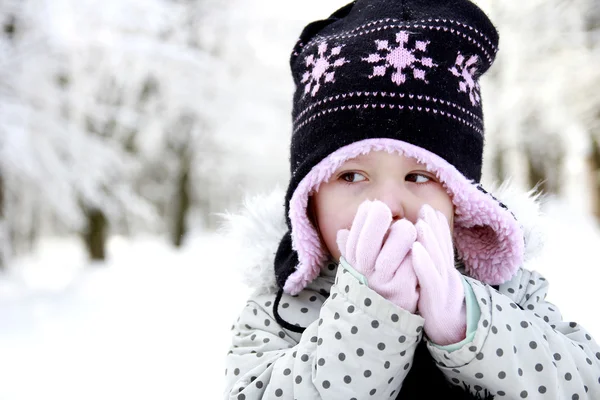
(154, 323)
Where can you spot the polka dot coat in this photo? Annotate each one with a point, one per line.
(358, 345)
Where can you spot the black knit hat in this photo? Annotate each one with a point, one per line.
(405, 70)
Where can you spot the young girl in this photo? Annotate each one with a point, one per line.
(399, 275)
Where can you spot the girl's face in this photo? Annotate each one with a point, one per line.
(402, 183)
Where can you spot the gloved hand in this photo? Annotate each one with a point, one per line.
(381, 253)
(442, 296)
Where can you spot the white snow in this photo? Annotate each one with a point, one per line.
(152, 323)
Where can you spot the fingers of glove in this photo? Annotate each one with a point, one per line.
(372, 235)
(440, 233)
(406, 280)
(405, 276)
(455, 286)
(445, 236)
(401, 236)
(342, 240)
(430, 283)
(427, 214)
(402, 289)
(407, 299)
(357, 225)
(427, 238)
(449, 325)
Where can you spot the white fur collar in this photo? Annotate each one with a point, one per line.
(254, 233)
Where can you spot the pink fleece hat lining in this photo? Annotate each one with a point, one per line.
(487, 237)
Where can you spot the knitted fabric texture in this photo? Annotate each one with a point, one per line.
(405, 71)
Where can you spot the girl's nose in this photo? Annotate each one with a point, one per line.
(395, 198)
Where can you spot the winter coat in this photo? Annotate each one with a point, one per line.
(359, 345)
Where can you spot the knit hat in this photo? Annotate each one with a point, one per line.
(399, 76)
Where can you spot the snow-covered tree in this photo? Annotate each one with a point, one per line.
(541, 96)
(66, 165)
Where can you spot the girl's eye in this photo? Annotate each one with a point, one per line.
(352, 177)
(418, 178)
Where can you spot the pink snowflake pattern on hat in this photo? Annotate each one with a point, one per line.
(321, 69)
(400, 59)
(466, 72)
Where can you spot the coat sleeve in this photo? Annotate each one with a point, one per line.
(522, 348)
(359, 345)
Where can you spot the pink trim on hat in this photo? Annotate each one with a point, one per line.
(487, 236)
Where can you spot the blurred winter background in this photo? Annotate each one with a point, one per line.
(126, 125)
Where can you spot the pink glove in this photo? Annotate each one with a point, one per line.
(442, 300)
(386, 266)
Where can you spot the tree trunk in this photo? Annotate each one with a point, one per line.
(95, 235)
(594, 170)
(4, 237)
(499, 167)
(183, 205)
(536, 175)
